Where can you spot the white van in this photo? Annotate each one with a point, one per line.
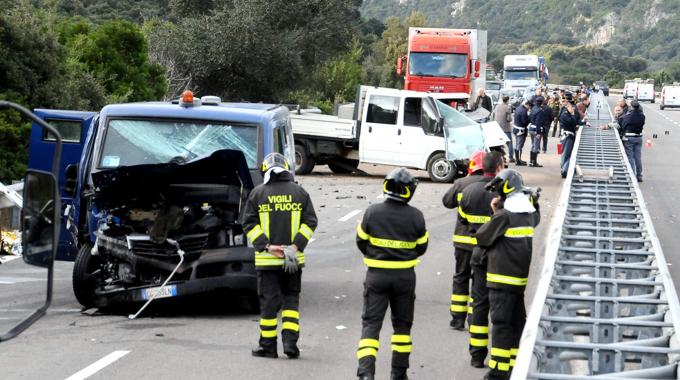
(645, 91)
(629, 90)
(670, 97)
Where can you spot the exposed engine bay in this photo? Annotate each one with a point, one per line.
(142, 210)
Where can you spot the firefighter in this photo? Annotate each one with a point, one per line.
(475, 210)
(507, 239)
(391, 236)
(279, 220)
(462, 244)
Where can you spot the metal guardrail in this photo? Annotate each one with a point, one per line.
(605, 306)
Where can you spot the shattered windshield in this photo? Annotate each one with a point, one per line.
(464, 136)
(138, 142)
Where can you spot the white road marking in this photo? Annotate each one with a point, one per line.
(349, 216)
(381, 196)
(13, 280)
(311, 241)
(51, 310)
(98, 365)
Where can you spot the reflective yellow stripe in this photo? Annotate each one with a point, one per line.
(459, 196)
(514, 351)
(499, 366)
(469, 309)
(267, 259)
(255, 233)
(479, 219)
(519, 232)
(294, 224)
(369, 343)
(389, 243)
(459, 297)
(268, 322)
(492, 364)
(459, 308)
(264, 222)
(268, 333)
(464, 239)
(501, 353)
(401, 349)
(290, 326)
(306, 231)
(361, 234)
(401, 339)
(290, 314)
(423, 239)
(479, 342)
(475, 329)
(512, 362)
(508, 280)
(389, 264)
(366, 352)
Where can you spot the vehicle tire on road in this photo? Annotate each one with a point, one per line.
(84, 283)
(440, 169)
(345, 166)
(304, 163)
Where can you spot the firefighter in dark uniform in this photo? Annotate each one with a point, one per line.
(507, 239)
(475, 210)
(279, 220)
(462, 243)
(392, 235)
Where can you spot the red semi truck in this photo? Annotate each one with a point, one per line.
(445, 60)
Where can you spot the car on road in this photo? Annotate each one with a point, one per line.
(153, 193)
(670, 97)
(493, 89)
(602, 86)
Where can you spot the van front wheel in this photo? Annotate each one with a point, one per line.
(440, 169)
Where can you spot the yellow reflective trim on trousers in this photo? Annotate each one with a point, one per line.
(499, 365)
(401, 339)
(294, 224)
(290, 326)
(501, 353)
(255, 233)
(361, 234)
(460, 297)
(476, 329)
(508, 280)
(268, 333)
(290, 314)
(369, 351)
(306, 231)
(512, 362)
(479, 219)
(401, 349)
(389, 264)
(474, 342)
(264, 222)
(469, 309)
(374, 343)
(519, 232)
(459, 308)
(514, 351)
(268, 322)
(464, 239)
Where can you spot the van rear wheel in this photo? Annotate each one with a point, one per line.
(440, 169)
(304, 163)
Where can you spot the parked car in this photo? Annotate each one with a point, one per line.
(603, 86)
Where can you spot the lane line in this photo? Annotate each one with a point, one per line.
(98, 365)
(349, 216)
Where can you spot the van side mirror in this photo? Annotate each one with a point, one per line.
(71, 175)
(39, 218)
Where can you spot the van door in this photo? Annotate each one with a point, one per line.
(73, 126)
(380, 139)
(419, 132)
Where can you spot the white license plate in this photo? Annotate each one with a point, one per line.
(161, 292)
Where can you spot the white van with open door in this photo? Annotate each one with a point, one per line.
(670, 97)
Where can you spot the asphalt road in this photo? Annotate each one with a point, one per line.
(211, 337)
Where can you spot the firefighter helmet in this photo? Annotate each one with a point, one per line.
(400, 185)
(476, 161)
(507, 182)
(274, 160)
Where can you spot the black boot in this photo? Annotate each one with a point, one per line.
(263, 352)
(534, 163)
(398, 374)
(291, 350)
(367, 376)
(457, 324)
(477, 362)
(518, 160)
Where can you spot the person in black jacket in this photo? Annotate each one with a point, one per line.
(391, 236)
(570, 119)
(537, 128)
(520, 129)
(483, 100)
(279, 220)
(632, 124)
(507, 240)
(462, 243)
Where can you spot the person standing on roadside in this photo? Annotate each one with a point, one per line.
(570, 119)
(624, 110)
(503, 115)
(520, 129)
(536, 128)
(554, 105)
(632, 125)
(483, 100)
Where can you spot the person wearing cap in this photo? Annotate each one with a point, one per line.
(570, 120)
(520, 129)
(391, 236)
(537, 128)
(279, 220)
(632, 125)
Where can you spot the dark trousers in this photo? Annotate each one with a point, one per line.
(536, 139)
(479, 319)
(460, 293)
(395, 288)
(567, 147)
(633, 147)
(278, 290)
(519, 143)
(556, 126)
(507, 318)
(545, 139)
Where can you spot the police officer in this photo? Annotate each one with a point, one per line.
(570, 119)
(392, 235)
(475, 210)
(632, 124)
(279, 220)
(507, 239)
(520, 129)
(537, 128)
(462, 243)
